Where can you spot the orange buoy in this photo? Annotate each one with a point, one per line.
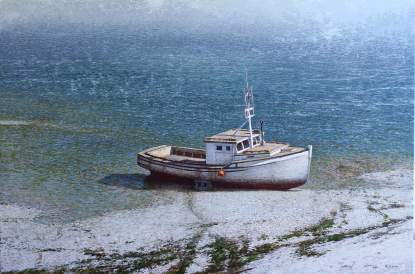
(221, 172)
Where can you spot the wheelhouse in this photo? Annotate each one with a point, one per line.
(223, 147)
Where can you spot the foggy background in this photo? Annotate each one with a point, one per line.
(316, 19)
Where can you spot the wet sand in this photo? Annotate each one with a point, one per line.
(362, 230)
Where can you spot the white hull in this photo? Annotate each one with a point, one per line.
(282, 172)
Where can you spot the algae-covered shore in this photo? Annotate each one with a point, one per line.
(361, 230)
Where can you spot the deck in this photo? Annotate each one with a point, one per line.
(179, 158)
(270, 148)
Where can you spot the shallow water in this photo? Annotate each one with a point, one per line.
(77, 107)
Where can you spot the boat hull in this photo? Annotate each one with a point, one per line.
(283, 172)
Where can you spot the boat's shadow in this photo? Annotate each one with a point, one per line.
(150, 182)
(144, 182)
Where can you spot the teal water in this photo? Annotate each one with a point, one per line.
(93, 100)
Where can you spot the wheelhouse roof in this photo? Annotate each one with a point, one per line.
(231, 136)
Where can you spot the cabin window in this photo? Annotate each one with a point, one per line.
(218, 147)
(246, 143)
(228, 148)
(239, 146)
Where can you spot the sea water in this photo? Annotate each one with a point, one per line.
(76, 107)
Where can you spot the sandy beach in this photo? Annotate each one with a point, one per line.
(362, 230)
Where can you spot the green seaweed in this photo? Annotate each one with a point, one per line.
(336, 237)
(209, 224)
(321, 227)
(185, 259)
(293, 234)
(305, 248)
(225, 255)
(13, 155)
(218, 254)
(396, 205)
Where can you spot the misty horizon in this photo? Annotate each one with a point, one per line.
(318, 19)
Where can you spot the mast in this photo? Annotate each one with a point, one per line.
(249, 108)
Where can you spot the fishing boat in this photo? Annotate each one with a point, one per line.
(237, 158)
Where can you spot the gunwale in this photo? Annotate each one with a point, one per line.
(200, 166)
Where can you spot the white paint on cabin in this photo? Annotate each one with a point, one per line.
(219, 153)
(222, 148)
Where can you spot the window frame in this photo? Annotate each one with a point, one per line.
(241, 146)
(257, 140)
(246, 141)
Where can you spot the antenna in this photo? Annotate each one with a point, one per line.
(249, 107)
(246, 78)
